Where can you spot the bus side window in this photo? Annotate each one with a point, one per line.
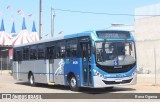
(71, 49)
(19, 55)
(41, 51)
(86, 50)
(85, 46)
(33, 52)
(68, 49)
(60, 50)
(57, 52)
(25, 53)
(14, 55)
(50, 52)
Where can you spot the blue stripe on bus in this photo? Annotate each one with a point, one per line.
(37, 73)
(115, 75)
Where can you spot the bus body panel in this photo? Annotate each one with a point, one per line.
(50, 71)
(100, 82)
(73, 65)
(15, 70)
(59, 71)
(105, 79)
(40, 70)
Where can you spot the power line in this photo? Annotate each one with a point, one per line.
(99, 13)
(151, 40)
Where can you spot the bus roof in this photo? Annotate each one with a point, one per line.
(60, 37)
(85, 33)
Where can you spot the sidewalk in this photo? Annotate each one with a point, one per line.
(5, 72)
(148, 79)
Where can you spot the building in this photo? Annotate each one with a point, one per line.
(122, 27)
(147, 34)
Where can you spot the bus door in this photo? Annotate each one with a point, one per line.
(86, 61)
(50, 58)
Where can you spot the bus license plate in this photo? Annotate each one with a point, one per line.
(117, 67)
(118, 80)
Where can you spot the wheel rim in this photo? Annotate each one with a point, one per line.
(73, 82)
(31, 79)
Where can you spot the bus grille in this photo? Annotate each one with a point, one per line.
(111, 69)
(113, 82)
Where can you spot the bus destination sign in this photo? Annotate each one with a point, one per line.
(113, 34)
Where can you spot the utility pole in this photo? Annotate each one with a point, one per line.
(52, 21)
(155, 66)
(40, 19)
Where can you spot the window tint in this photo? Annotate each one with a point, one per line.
(33, 52)
(71, 48)
(14, 55)
(26, 53)
(84, 47)
(19, 55)
(50, 53)
(60, 50)
(41, 51)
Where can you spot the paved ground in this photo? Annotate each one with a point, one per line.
(145, 84)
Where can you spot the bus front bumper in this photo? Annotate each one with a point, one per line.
(100, 82)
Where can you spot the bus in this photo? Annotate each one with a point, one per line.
(95, 59)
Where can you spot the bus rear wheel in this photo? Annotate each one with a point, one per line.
(73, 83)
(31, 80)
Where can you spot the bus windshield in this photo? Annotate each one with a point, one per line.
(115, 53)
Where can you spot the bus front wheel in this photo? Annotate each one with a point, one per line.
(31, 80)
(73, 83)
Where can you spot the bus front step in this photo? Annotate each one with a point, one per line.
(51, 83)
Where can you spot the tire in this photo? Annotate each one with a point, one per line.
(73, 83)
(31, 80)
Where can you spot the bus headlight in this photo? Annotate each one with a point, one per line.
(98, 73)
(134, 72)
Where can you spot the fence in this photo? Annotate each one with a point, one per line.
(5, 62)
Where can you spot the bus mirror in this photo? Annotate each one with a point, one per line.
(93, 50)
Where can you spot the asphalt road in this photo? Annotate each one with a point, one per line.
(9, 85)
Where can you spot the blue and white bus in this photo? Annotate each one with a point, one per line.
(104, 58)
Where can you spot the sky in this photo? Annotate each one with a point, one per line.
(70, 22)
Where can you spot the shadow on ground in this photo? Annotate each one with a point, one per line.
(82, 90)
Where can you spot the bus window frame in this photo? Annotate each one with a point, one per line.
(18, 58)
(25, 54)
(58, 49)
(43, 50)
(84, 39)
(36, 57)
(70, 48)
